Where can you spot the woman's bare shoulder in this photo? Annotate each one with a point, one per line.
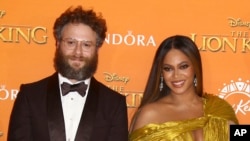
(146, 115)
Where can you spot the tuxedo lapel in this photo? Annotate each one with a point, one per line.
(54, 110)
(89, 113)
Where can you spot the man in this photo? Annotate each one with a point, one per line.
(48, 110)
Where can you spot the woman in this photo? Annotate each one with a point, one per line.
(174, 106)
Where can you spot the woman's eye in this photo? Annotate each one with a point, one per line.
(184, 66)
(167, 68)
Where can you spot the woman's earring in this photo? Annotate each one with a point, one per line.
(195, 82)
(161, 83)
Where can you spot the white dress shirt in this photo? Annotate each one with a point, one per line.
(73, 105)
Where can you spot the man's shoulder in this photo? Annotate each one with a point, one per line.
(102, 88)
(41, 81)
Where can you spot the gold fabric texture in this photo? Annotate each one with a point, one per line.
(217, 113)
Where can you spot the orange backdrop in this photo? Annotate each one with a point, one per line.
(135, 29)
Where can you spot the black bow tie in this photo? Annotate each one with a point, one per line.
(80, 88)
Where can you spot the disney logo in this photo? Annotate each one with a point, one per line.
(114, 77)
(238, 22)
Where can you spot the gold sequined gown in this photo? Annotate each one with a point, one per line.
(217, 113)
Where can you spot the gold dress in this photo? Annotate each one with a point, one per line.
(217, 113)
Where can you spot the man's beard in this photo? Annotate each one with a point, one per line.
(62, 66)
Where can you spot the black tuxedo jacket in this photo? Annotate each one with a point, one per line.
(37, 114)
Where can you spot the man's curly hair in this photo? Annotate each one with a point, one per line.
(79, 15)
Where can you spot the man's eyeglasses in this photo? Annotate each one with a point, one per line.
(73, 43)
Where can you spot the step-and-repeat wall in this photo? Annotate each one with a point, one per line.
(135, 30)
